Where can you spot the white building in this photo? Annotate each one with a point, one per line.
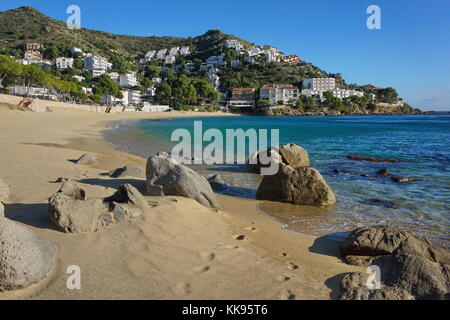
(134, 97)
(309, 92)
(161, 54)
(214, 79)
(174, 51)
(128, 80)
(97, 64)
(79, 78)
(34, 92)
(64, 63)
(113, 101)
(170, 59)
(76, 51)
(254, 51)
(154, 108)
(114, 76)
(214, 61)
(343, 93)
(156, 80)
(234, 44)
(249, 59)
(272, 54)
(87, 90)
(184, 51)
(149, 93)
(150, 55)
(319, 84)
(279, 92)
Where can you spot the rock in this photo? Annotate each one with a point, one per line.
(294, 156)
(2, 210)
(127, 202)
(24, 258)
(386, 240)
(363, 158)
(402, 179)
(217, 184)
(75, 216)
(72, 190)
(4, 191)
(61, 179)
(403, 277)
(71, 212)
(384, 172)
(289, 154)
(304, 186)
(163, 154)
(128, 171)
(87, 158)
(167, 178)
(382, 202)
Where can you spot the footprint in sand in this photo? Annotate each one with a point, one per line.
(254, 229)
(207, 256)
(241, 237)
(284, 254)
(287, 295)
(202, 269)
(182, 289)
(230, 246)
(293, 266)
(153, 204)
(282, 278)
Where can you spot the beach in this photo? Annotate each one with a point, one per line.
(177, 250)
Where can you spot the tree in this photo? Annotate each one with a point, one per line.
(152, 71)
(205, 91)
(299, 104)
(163, 93)
(389, 95)
(33, 76)
(104, 85)
(52, 52)
(9, 70)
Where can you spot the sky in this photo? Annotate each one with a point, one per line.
(411, 51)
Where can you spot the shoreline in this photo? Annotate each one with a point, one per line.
(138, 260)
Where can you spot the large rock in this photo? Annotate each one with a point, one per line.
(87, 158)
(128, 171)
(72, 213)
(217, 183)
(289, 154)
(167, 178)
(304, 186)
(24, 258)
(386, 240)
(403, 277)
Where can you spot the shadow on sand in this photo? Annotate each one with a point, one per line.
(35, 215)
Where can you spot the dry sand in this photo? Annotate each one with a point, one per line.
(177, 250)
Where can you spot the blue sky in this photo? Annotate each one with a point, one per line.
(410, 53)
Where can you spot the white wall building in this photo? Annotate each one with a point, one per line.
(272, 54)
(343, 93)
(114, 76)
(254, 51)
(185, 51)
(319, 84)
(174, 51)
(75, 51)
(279, 92)
(234, 44)
(79, 78)
(134, 97)
(154, 108)
(214, 79)
(170, 59)
(97, 64)
(128, 80)
(150, 55)
(161, 54)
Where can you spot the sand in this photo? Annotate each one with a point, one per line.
(176, 250)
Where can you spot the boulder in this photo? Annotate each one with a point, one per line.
(71, 212)
(289, 154)
(24, 258)
(128, 171)
(165, 177)
(304, 186)
(217, 183)
(402, 179)
(403, 277)
(386, 240)
(87, 158)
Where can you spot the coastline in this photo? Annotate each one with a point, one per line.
(156, 256)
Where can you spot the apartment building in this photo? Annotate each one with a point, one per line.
(254, 51)
(150, 55)
(184, 51)
(64, 63)
(343, 93)
(292, 59)
(174, 51)
(272, 54)
(319, 84)
(170, 59)
(97, 64)
(234, 44)
(276, 93)
(128, 80)
(242, 98)
(214, 79)
(214, 62)
(161, 54)
(134, 97)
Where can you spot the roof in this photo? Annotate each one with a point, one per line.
(243, 89)
(278, 86)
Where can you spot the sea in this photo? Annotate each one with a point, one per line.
(420, 142)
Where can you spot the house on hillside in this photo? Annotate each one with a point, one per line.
(276, 93)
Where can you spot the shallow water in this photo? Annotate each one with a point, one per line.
(420, 141)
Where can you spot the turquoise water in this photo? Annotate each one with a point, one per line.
(420, 141)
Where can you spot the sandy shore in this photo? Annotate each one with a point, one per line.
(177, 250)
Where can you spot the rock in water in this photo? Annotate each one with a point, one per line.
(384, 172)
(24, 258)
(403, 277)
(304, 186)
(294, 156)
(87, 158)
(128, 171)
(289, 154)
(217, 183)
(386, 240)
(4, 191)
(167, 178)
